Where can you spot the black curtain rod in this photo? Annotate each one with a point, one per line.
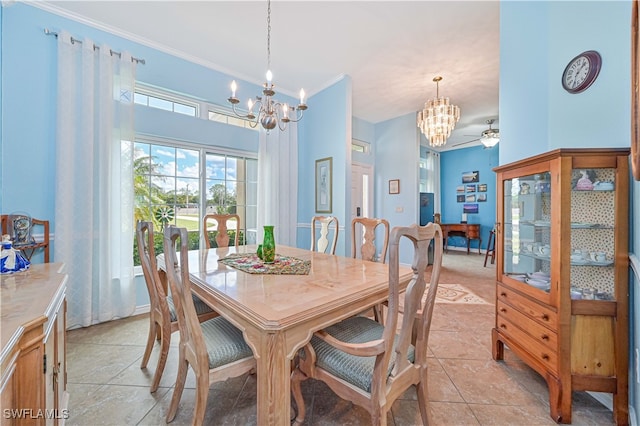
(113, 52)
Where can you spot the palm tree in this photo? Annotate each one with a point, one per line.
(146, 194)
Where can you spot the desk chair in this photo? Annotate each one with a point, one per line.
(222, 235)
(372, 364)
(491, 248)
(214, 349)
(322, 243)
(162, 315)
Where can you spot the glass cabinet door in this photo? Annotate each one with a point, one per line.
(527, 230)
(592, 234)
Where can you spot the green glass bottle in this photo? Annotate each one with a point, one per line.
(268, 245)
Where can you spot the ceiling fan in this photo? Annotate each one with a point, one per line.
(489, 138)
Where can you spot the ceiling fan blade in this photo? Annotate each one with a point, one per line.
(464, 143)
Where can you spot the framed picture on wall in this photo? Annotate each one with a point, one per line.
(470, 208)
(460, 198)
(471, 198)
(482, 198)
(482, 187)
(471, 188)
(471, 177)
(460, 189)
(394, 186)
(324, 185)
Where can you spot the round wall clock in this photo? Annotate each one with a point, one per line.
(581, 71)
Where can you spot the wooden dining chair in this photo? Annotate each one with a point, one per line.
(162, 314)
(322, 243)
(372, 364)
(222, 235)
(367, 244)
(214, 349)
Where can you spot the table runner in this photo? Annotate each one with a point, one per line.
(282, 265)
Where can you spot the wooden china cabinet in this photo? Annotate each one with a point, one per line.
(562, 272)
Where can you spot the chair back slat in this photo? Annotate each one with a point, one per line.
(321, 244)
(367, 245)
(147, 253)
(190, 330)
(222, 235)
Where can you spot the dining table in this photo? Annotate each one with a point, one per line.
(279, 312)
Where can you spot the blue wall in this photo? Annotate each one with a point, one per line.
(452, 165)
(398, 157)
(325, 133)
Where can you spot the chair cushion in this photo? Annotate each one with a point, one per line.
(225, 343)
(354, 369)
(201, 307)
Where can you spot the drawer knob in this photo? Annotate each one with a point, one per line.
(503, 326)
(545, 357)
(545, 337)
(503, 294)
(503, 310)
(545, 317)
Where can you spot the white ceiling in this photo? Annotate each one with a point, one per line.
(391, 49)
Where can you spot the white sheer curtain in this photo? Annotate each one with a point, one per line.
(433, 178)
(94, 180)
(278, 183)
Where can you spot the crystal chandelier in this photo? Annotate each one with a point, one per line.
(270, 112)
(438, 118)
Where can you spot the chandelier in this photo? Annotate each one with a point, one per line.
(438, 118)
(269, 112)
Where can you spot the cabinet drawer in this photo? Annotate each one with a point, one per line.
(528, 307)
(540, 352)
(537, 331)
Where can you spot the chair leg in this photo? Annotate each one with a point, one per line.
(150, 341)
(183, 367)
(379, 417)
(202, 393)
(297, 377)
(423, 401)
(162, 359)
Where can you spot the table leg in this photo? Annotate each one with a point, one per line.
(274, 386)
(468, 245)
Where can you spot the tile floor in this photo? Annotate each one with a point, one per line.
(466, 386)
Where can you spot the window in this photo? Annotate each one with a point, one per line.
(169, 191)
(162, 100)
(360, 146)
(221, 115)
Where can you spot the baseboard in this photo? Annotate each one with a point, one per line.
(142, 309)
(460, 248)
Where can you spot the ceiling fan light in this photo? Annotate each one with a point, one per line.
(489, 141)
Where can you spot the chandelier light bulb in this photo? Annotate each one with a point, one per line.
(302, 96)
(269, 76)
(234, 86)
(250, 104)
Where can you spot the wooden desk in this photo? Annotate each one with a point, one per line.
(279, 313)
(466, 230)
